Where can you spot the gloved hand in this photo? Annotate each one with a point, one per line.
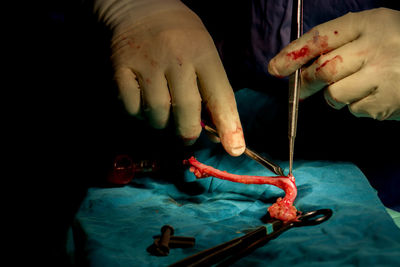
(164, 59)
(358, 63)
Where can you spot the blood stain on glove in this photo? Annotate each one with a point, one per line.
(320, 42)
(316, 43)
(329, 67)
(283, 209)
(303, 52)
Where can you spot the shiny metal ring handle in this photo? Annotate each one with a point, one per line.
(314, 217)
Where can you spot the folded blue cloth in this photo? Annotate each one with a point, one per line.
(115, 225)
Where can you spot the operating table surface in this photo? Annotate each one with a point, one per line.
(115, 225)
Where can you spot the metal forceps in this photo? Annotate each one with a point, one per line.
(252, 154)
(229, 252)
(294, 80)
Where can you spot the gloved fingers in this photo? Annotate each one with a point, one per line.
(319, 40)
(186, 103)
(369, 107)
(219, 99)
(156, 99)
(350, 89)
(330, 68)
(380, 104)
(129, 90)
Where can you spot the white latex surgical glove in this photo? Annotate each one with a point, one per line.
(165, 61)
(357, 62)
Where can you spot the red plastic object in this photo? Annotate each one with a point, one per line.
(123, 170)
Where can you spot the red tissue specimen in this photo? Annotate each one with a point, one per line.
(283, 209)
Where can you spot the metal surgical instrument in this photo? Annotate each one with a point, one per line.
(252, 154)
(294, 81)
(229, 252)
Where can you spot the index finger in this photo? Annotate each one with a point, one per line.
(319, 40)
(220, 101)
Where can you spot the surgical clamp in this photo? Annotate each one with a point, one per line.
(229, 252)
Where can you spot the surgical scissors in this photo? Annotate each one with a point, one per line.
(252, 154)
(233, 250)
